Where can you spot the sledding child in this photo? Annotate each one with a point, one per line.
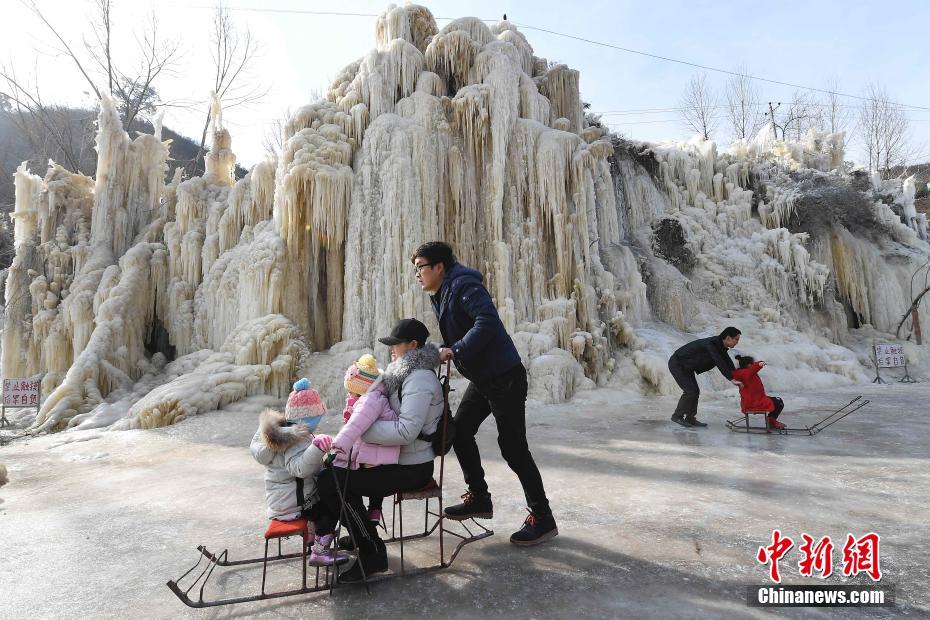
(366, 403)
(292, 456)
(752, 392)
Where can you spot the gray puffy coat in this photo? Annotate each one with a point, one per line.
(419, 409)
(291, 464)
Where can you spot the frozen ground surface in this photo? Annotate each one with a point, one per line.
(655, 520)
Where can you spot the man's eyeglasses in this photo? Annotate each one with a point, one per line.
(423, 266)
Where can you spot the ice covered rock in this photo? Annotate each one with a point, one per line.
(142, 301)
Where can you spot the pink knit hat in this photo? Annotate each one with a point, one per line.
(304, 402)
(361, 375)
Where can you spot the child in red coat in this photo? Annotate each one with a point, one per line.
(752, 392)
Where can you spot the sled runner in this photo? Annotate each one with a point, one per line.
(207, 562)
(278, 530)
(742, 425)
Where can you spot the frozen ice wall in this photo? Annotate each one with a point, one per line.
(811, 263)
(472, 139)
(142, 300)
(107, 287)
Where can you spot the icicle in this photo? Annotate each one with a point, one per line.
(220, 161)
(560, 85)
(25, 211)
(130, 181)
(506, 31)
(451, 55)
(412, 23)
(476, 29)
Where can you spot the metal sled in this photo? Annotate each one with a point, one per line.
(742, 425)
(212, 561)
(330, 577)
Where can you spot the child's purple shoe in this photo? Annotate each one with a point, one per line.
(323, 554)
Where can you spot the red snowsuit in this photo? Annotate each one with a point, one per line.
(752, 394)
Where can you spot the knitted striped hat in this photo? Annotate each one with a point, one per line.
(305, 402)
(361, 374)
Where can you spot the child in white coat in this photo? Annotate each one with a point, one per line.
(285, 444)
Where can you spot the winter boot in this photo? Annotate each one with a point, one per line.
(692, 421)
(373, 560)
(473, 507)
(536, 529)
(323, 554)
(680, 420)
(773, 423)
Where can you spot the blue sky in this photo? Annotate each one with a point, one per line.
(807, 43)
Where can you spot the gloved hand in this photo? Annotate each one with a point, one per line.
(761, 364)
(323, 442)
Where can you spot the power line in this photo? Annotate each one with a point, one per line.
(709, 68)
(309, 12)
(592, 42)
(665, 120)
(722, 106)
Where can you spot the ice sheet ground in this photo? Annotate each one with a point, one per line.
(655, 520)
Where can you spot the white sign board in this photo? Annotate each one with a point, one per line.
(889, 355)
(20, 392)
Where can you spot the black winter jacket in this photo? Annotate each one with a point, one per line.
(703, 354)
(471, 327)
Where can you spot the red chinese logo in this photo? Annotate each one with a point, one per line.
(861, 556)
(817, 557)
(773, 553)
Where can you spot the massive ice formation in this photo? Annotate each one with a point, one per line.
(107, 281)
(142, 300)
(775, 238)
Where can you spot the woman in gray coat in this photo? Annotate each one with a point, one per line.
(415, 393)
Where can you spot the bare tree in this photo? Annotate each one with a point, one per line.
(273, 140)
(742, 104)
(64, 134)
(802, 114)
(102, 31)
(884, 130)
(234, 52)
(836, 116)
(134, 90)
(697, 106)
(51, 131)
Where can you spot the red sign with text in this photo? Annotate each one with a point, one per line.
(859, 555)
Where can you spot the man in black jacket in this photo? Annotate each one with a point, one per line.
(476, 341)
(691, 360)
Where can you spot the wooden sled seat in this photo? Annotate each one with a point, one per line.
(429, 490)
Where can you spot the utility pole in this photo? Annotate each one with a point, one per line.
(772, 116)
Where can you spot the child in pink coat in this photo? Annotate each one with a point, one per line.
(366, 404)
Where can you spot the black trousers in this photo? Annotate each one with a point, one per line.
(366, 482)
(504, 397)
(779, 406)
(690, 392)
